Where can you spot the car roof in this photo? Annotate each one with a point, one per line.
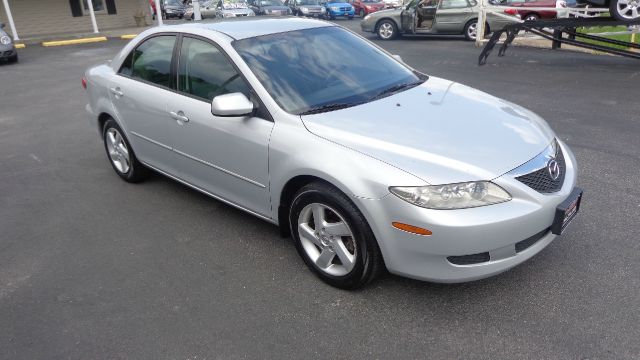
(249, 27)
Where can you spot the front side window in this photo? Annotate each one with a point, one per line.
(308, 70)
(151, 61)
(205, 72)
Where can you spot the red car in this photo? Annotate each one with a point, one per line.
(526, 14)
(365, 7)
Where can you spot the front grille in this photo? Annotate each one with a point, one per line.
(469, 259)
(528, 242)
(345, 9)
(541, 181)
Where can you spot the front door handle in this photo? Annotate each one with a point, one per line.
(179, 116)
(117, 92)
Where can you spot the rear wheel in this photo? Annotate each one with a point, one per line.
(387, 30)
(532, 17)
(121, 155)
(333, 238)
(625, 9)
(471, 30)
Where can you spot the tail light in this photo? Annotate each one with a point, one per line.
(84, 83)
(511, 11)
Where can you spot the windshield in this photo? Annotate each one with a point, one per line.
(270, 3)
(173, 3)
(309, 2)
(322, 69)
(234, 4)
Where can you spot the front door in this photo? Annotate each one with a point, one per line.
(408, 17)
(426, 15)
(226, 156)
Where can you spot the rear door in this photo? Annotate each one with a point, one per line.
(453, 15)
(226, 156)
(140, 92)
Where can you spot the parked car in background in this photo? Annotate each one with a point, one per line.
(531, 15)
(233, 8)
(8, 50)
(269, 7)
(221, 9)
(431, 17)
(365, 7)
(171, 9)
(309, 8)
(368, 163)
(339, 9)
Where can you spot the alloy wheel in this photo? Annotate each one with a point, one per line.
(472, 30)
(327, 239)
(385, 30)
(628, 9)
(118, 151)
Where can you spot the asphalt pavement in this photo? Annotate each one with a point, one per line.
(92, 267)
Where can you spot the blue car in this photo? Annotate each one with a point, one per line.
(335, 9)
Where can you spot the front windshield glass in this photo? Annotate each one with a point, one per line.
(270, 3)
(322, 69)
(309, 2)
(234, 4)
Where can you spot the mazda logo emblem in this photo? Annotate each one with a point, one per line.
(554, 169)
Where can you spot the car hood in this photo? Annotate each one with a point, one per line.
(338, 4)
(387, 12)
(311, 6)
(441, 131)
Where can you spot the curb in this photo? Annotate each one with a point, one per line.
(74, 41)
(20, 46)
(128, 36)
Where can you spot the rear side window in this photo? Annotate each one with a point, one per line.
(151, 61)
(205, 72)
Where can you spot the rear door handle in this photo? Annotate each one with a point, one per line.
(179, 116)
(117, 92)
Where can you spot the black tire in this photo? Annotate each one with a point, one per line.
(532, 17)
(13, 59)
(470, 24)
(368, 262)
(136, 172)
(393, 28)
(613, 9)
(362, 13)
(350, 18)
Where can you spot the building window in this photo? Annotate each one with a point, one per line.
(99, 7)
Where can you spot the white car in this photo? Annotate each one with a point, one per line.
(366, 162)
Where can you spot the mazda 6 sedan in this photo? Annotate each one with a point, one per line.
(367, 163)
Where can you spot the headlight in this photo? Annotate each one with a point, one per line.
(367, 17)
(304, 9)
(5, 40)
(453, 196)
(351, 9)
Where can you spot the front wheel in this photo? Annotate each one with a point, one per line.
(333, 238)
(362, 13)
(387, 30)
(13, 59)
(625, 9)
(350, 18)
(121, 155)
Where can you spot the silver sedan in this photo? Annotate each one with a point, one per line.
(367, 163)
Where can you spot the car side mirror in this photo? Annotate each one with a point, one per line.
(234, 104)
(397, 57)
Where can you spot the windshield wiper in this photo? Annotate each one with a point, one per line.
(395, 89)
(329, 107)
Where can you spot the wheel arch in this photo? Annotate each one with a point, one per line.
(486, 24)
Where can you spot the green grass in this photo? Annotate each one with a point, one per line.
(595, 30)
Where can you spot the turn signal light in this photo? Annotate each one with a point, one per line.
(411, 229)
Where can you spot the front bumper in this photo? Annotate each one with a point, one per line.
(367, 25)
(7, 51)
(492, 230)
(334, 13)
